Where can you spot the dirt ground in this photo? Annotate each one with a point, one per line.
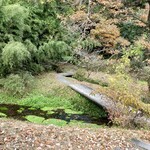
(17, 135)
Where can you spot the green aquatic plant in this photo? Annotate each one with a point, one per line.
(56, 122)
(21, 110)
(3, 115)
(47, 108)
(3, 108)
(70, 111)
(35, 119)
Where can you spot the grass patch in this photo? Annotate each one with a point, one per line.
(83, 125)
(81, 76)
(7, 99)
(41, 101)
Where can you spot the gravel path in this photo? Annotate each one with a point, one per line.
(27, 136)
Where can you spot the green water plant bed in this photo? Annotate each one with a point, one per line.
(69, 111)
(47, 108)
(3, 108)
(48, 115)
(35, 119)
(3, 115)
(41, 120)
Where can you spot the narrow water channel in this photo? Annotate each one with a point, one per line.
(23, 113)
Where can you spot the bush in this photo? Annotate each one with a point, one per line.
(26, 29)
(146, 75)
(89, 44)
(14, 54)
(16, 84)
(54, 50)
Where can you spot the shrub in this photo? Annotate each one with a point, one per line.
(14, 85)
(80, 74)
(14, 54)
(18, 84)
(130, 30)
(106, 33)
(54, 50)
(15, 12)
(145, 74)
(28, 79)
(89, 44)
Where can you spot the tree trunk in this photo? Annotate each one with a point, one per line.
(102, 100)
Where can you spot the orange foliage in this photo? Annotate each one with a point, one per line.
(107, 33)
(78, 16)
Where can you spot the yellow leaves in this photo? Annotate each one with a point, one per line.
(144, 42)
(126, 93)
(106, 32)
(78, 16)
(122, 41)
(111, 3)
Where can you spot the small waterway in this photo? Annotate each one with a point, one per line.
(48, 115)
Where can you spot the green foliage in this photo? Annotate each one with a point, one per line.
(89, 44)
(75, 103)
(35, 68)
(80, 75)
(16, 13)
(87, 107)
(41, 120)
(137, 56)
(131, 31)
(18, 84)
(53, 50)
(35, 119)
(40, 101)
(3, 115)
(145, 75)
(31, 47)
(14, 54)
(28, 79)
(13, 22)
(25, 32)
(14, 85)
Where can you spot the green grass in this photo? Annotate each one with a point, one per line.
(7, 99)
(83, 125)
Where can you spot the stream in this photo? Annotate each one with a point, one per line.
(48, 115)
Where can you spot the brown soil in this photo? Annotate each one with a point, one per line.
(27, 136)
